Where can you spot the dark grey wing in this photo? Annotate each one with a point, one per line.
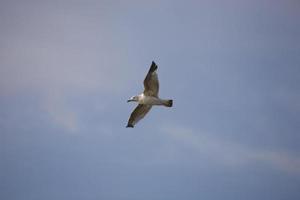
(151, 83)
(139, 112)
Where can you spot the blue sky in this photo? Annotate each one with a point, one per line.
(68, 67)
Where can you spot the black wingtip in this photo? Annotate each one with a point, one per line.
(129, 126)
(153, 67)
(170, 103)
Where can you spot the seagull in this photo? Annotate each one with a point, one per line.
(148, 98)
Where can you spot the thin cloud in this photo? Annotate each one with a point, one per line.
(53, 54)
(231, 153)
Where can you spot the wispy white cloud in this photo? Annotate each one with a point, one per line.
(55, 74)
(54, 52)
(231, 153)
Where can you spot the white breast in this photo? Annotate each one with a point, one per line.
(149, 100)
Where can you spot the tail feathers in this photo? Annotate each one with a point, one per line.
(169, 103)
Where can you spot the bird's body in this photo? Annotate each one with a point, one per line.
(148, 98)
(151, 100)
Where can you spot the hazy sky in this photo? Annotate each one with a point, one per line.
(67, 68)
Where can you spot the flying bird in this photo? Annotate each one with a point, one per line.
(148, 98)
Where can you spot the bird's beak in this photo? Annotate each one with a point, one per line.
(129, 100)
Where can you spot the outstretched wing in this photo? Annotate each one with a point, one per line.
(151, 83)
(139, 112)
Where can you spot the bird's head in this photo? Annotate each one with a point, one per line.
(134, 98)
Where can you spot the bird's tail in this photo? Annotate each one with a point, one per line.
(168, 103)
